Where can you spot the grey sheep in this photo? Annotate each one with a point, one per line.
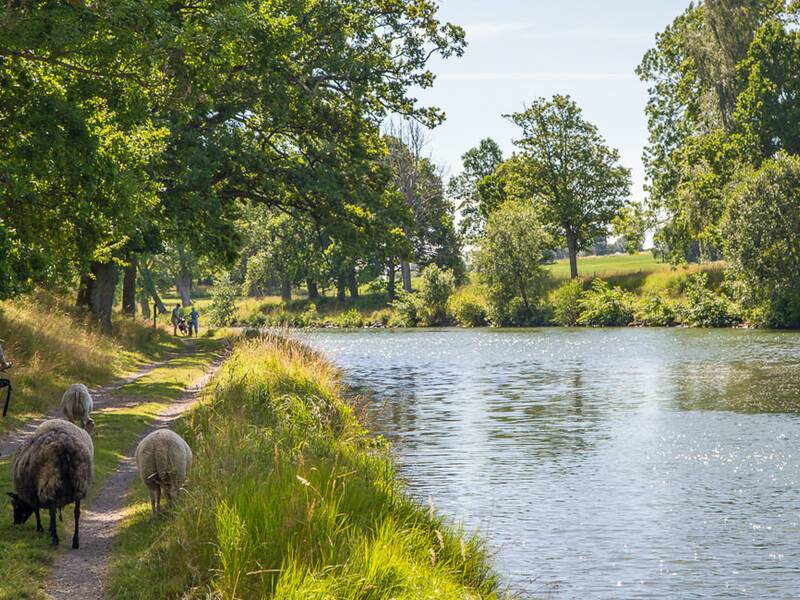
(163, 459)
(76, 404)
(51, 469)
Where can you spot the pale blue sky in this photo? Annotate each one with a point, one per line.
(521, 49)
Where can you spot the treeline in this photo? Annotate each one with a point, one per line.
(416, 225)
(723, 168)
(722, 162)
(151, 140)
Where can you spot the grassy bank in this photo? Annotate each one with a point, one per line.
(640, 276)
(52, 345)
(29, 556)
(290, 497)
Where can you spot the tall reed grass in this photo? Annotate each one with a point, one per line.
(290, 497)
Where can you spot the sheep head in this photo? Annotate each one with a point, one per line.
(22, 510)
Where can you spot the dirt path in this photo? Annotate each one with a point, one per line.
(81, 574)
(101, 397)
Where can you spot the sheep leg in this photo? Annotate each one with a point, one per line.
(39, 528)
(75, 538)
(168, 495)
(152, 499)
(53, 530)
(158, 498)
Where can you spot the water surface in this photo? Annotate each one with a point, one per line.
(613, 463)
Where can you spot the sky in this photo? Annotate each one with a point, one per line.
(523, 49)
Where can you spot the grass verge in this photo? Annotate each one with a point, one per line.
(28, 556)
(290, 497)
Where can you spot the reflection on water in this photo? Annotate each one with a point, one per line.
(600, 463)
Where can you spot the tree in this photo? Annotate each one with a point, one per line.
(569, 174)
(436, 287)
(710, 98)
(431, 229)
(762, 246)
(509, 260)
(119, 115)
(478, 164)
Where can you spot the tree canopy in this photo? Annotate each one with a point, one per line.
(120, 119)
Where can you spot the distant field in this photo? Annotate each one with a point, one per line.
(603, 266)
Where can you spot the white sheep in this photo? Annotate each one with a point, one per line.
(76, 404)
(163, 459)
(51, 469)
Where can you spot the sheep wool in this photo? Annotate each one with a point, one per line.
(52, 468)
(163, 459)
(76, 404)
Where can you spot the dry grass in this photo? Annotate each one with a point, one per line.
(52, 344)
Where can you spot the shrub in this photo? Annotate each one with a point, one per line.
(222, 310)
(604, 306)
(467, 309)
(310, 316)
(705, 307)
(405, 311)
(762, 245)
(435, 288)
(380, 318)
(565, 303)
(510, 262)
(656, 311)
(351, 319)
(377, 286)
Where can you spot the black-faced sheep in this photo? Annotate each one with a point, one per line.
(76, 404)
(163, 459)
(51, 469)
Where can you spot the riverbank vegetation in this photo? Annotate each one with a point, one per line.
(290, 497)
(168, 173)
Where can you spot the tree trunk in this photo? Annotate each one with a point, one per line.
(390, 285)
(352, 283)
(341, 288)
(102, 290)
(286, 290)
(405, 271)
(84, 289)
(150, 287)
(313, 292)
(183, 283)
(572, 248)
(129, 288)
(144, 303)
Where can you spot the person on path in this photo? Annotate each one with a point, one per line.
(194, 317)
(176, 318)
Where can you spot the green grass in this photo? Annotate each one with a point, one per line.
(289, 497)
(29, 556)
(606, 266)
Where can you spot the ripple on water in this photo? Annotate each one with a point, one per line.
(600, 463)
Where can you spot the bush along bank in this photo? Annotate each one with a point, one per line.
(290, 497)
(684, 299)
